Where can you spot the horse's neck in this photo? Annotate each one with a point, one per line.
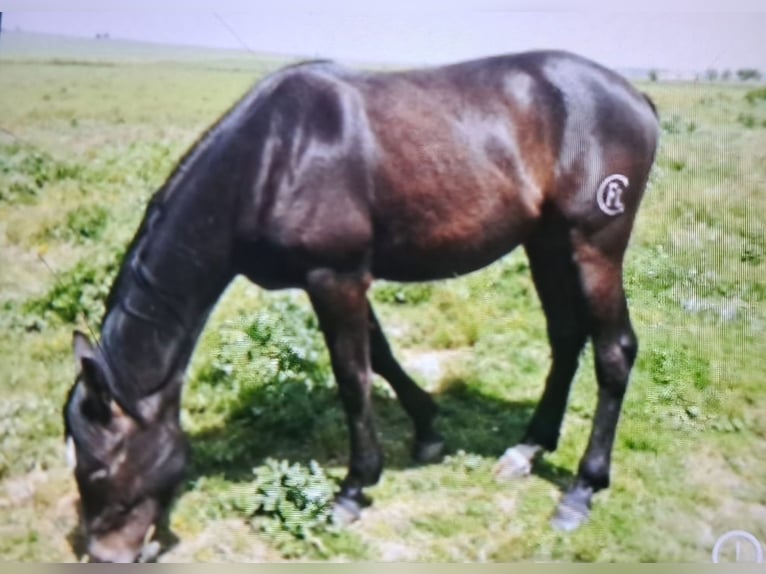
(168, 284)
(179, 262)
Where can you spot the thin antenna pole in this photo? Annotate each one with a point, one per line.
(232, 32)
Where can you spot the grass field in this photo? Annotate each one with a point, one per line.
(87, 133)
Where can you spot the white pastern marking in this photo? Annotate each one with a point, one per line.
(609, 195)
(71, 453)
(98, 475)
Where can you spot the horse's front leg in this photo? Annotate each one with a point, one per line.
(341, 305)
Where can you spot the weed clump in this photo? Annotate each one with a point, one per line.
(86, 222)
(677, 125)
(25, 170)
(290, 502)
(83, 224)
(753, 96)
(747, 120)
(400, 294)
(78, 292)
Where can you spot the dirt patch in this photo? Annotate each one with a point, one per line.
(223, 541)
(431, 367)
(707, 467)
(735, 498)
(381, 527)
(20, 489)
(41, 493)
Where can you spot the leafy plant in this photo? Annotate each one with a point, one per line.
(290, 504)
(292, 499)
(277, 360)
(281, 343)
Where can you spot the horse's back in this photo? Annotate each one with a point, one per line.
(432, 172)
(470, 155)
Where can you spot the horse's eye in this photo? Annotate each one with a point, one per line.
(121, 509)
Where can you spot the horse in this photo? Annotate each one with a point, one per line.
(323, 178)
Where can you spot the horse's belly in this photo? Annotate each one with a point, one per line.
(438, 251)
(406, 266)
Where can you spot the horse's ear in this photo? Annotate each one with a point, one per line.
(82, 348)
(92, 375)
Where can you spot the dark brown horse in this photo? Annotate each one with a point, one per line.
(323, 179)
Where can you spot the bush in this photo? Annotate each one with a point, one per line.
(746, 74)
(280, 344)
(278, 363)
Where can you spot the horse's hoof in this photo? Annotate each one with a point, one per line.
(516, 462)
(346, 511)
(569, 516)
(426, 452)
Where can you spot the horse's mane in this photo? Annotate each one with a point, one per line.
(159, 200)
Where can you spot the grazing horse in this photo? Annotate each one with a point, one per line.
(323, 179)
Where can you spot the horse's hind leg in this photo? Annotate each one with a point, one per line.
(341, 306)
(557, 282)
(615, 346)
(416, 402)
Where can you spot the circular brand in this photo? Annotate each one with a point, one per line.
(609, 196)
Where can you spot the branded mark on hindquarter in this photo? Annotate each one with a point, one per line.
(609, 195)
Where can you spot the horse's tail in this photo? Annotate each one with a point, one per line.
(651, 104)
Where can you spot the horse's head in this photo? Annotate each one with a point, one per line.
(127, 468)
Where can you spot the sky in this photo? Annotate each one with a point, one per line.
(672, 34)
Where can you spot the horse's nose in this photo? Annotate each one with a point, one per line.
(101, 553)
(122, 558)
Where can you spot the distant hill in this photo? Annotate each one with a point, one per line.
(26, 46)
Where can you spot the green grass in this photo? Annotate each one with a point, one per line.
(89, 130)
